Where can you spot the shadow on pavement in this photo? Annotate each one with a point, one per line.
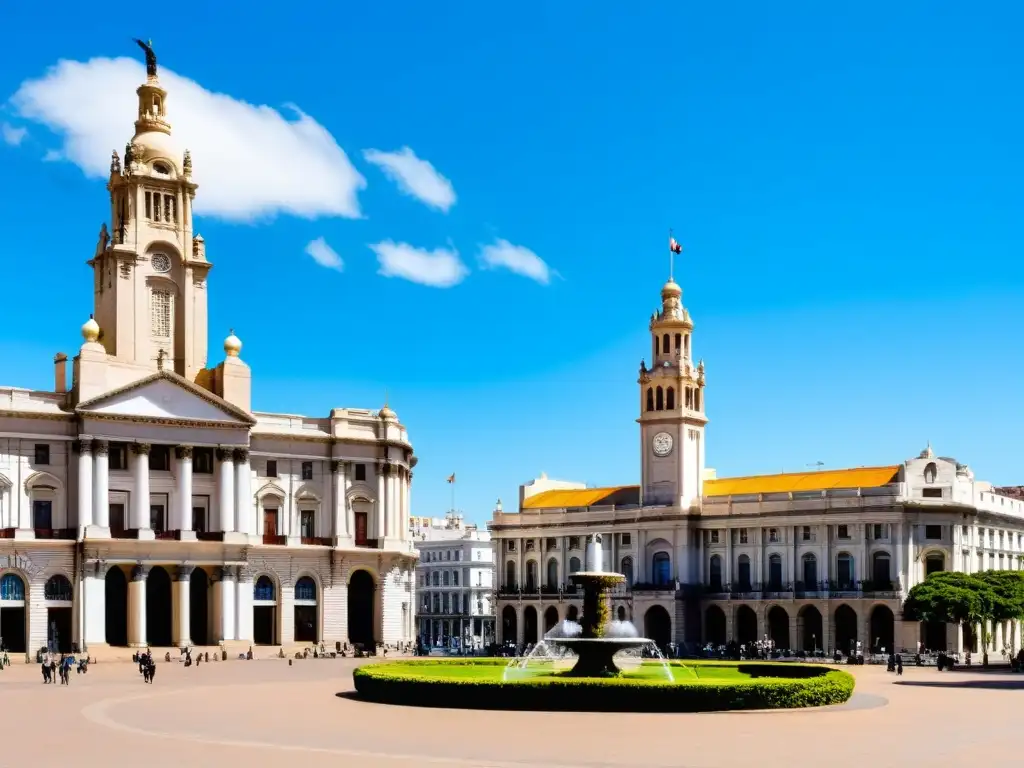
(995, 685)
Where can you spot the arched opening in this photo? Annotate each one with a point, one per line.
(361, 590)
(810, 573)
(746, 625)
(810, 628)
(307, 624)
(509, 625)
(13, 624)
(845, 629)
(658, 626)
(159, 607)
(659, 399)
(665, 348)
(115, 590)
(573, 613)
(844, 570)
(627, 570)
(661, 569)
(933, 635)
(883, 629)
(778, 627)
(59, 596)
(552, 580)
(775, 573)
(714, 626)
(679, 340)
(715, 573)
(264, 612)
(574, 565)
(650, 399)
(670, 399)
(550, 618)
(199, 607)
(933, 563)
(530, 625)
(510, 575)
(743, 574)
(880, 573)
(620, 614)
(531, 575)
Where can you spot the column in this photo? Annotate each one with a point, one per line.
(408, 504)
(182, 606)
(226, 490)
(339, 518)
(346, 474)
(183, 516)
(137, 607)
(728, 563)
(243, 498)
(83, 448)
(140, 496)
(226, 601)
(911, 570)
(382, 469)
(865, 572)
(95, 604)
(100, 488)
(243, 604)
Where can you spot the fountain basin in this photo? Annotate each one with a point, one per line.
(596, 654)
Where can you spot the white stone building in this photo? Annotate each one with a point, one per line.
(144, 502)
(455, 581)
(813, 560)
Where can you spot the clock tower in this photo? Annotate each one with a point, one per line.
(672, 416)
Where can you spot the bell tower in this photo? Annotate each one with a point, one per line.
(672, 416)
(150, 272)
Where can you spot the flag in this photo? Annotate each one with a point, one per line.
(451, 478)
(674, 246)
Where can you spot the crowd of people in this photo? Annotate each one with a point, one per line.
(58, 667)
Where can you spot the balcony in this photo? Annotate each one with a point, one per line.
(777, 591)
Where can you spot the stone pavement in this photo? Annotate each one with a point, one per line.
(266, 713)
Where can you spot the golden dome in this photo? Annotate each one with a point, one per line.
(671, 289)
(386, 414)
(91, 330)
(232, 344)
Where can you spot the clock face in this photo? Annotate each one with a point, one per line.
(161, 263)
(662, 444)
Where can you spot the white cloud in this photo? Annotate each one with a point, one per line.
(250, 161)
(502, 254)
(324, 255)
(439, 268)
(11, 135)
(414, 177)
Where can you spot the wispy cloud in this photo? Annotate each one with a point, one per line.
(250, 161)
(52, 156)
(501, 254)
(414, 177)
(11, 135)
(439, 268)
(324, 255)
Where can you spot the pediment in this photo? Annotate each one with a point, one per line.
(165, 397)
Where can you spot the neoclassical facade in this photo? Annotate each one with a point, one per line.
(143, 501)
(813, 560)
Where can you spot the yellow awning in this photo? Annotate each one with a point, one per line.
(860, 477)
(585, 497)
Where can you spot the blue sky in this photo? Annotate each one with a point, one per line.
(845, 184)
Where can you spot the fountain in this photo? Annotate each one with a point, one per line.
(595, 640)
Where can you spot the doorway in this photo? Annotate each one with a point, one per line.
(58, 629)
(116, 599)
(269, 525)
(158, 608)
(360, 608)
(199, 607)
(264, 611)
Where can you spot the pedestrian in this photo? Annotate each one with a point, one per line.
(899, 665)
(46, 668)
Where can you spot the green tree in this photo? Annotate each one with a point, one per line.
(955, 598)
(1008, 590)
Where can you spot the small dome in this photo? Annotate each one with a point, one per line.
(386, 414)
(157, 147)
(232, 345)
(91, 330)
(671, 288)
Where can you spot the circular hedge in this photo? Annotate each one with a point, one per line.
(478, 684)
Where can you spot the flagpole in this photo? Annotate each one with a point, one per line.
(671, 257)
(453, 493)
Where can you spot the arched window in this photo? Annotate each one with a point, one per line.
(627, 570)
(715, 573)
(531, 575)
(934, 562)
(263, 589)
(58, 588)
(670, 399)
(650, 399)
(661, 569)
(930, 472)
(664, 344)
(659, 399)
(574, 565)
(552, 580)
(775, 572)
(12, 587)
(743, 573)
(686, 345)
(696, 399)
(510, 575)
(305, 589)
(679, 340)
(880, 573)
(844, 570)
(810, 574)
(657, 346)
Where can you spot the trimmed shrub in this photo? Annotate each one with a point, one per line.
(772, 686)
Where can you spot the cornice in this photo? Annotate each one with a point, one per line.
(163, 422)
(64, 416)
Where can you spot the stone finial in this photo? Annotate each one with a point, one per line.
(115, 164)
(186, 164)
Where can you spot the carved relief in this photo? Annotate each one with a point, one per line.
(183, 451)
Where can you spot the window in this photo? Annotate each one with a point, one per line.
(551, 545)
(715, 574)
(455, 578)
(775, 573)
(202, 461)
(714, 537)
(574, 542)
(437, 578)
(161, 313)
(271, 468)
(156, 518)
(170, 209)
(743, 574)
(844, 570)
(880, 570)
(118, 456)
(160, 458)
(661, 569)
(199, 519)
(650, 399)
(448, 554)
(625, 540)
(574, 565)
(263, 590)
(530, 546)
(511, 545)
(806, 533)
(58, 588)
(42, 514)
(12, 587)
(361, 472)
(42, 453)
(934, 533)
(307, 470)
(878, 531)
(510, 575)
(307, 525)
(934, 563)
(531, 576)
(773, 535)
(842, 531)
(627, 570)
(305, 589)
(810, 574)
(149, 205)
(931, 493)
(744, 536)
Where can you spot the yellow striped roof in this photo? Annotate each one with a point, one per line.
(584, 497)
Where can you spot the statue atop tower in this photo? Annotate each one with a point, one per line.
(150, 57)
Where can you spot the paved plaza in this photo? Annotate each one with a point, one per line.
(266, 713)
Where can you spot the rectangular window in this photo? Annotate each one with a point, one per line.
(149, 205)
(773, 535)
(878, 531)
(42, 453)
(42, 514)
(170, 209)
(271, 468)
(361, 472)
(307, 524)
(511, 545)
(934, 533)
(307, 470)
(574, 542)
(455, 578)
(156, 518)
(743, 536)
(118, 456)
(931, 493)
(161, 314)
(626, 540)
(202, 461)
(714, 537)
(842, 531)
(160, 458)
(199, 519)
(806, 533)
(156, 206)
